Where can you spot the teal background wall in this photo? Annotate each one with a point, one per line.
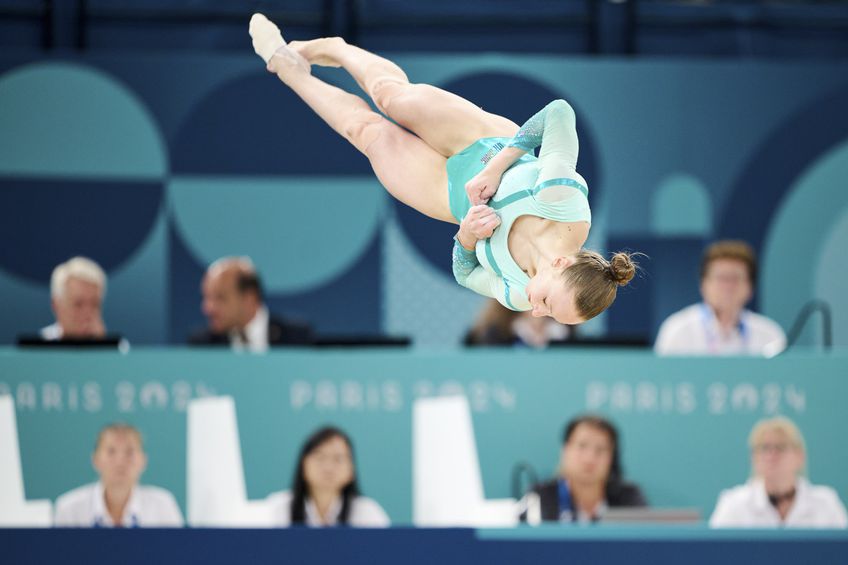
(155, 165)
(684, 425)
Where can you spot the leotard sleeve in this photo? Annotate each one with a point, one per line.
(554, 128)
(469, 273)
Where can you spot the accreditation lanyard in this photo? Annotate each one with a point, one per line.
(708, 319)
(99, 522)
(566, 511)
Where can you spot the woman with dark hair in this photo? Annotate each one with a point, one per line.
(324, 488)
(590, 477)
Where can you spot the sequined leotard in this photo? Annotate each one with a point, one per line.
(547, 186)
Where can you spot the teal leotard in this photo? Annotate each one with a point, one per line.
(548, 186)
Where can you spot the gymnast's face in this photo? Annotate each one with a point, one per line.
(550, 296)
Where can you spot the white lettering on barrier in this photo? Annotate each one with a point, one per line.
(744, 398)
(390, 395)
(796, 399)
(26, 398)
(771, 398)
(180, 395)
(683, 398)
(352, 396)
(504, 397)
(300, 394)
(717, 398)
(621, 397)
(92, 400)
(125, 395)
(686, 398)
(72, 397)
(647, 397)
(597, 394)
(153, 395)
(326, 397)
(643, 397)
(51, 397)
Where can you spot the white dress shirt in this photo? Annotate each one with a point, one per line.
(695, 331)
(148, 506)
(53, 332)
(256, 332)
(748, 506)
(364, 512)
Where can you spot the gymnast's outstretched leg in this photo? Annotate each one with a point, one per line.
(407, 167)
(447, 122)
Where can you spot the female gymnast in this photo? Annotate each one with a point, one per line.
(522, 220)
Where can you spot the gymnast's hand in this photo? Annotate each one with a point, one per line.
(483, 186)
(479, 223)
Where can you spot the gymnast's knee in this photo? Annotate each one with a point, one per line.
(363, 129)
(383, 92)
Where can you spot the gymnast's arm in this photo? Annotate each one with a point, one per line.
(469, 273)
(554, 128)
(479, 223)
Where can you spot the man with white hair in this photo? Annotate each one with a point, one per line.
(77, 290)
(234, 305)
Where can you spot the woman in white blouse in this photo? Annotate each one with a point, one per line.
(778, 495)
(324, 489)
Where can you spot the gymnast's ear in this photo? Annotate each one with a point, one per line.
(563, 262)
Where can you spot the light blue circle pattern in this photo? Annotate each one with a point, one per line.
(801, 227)
(831, 274)
(300, 232)
(68, 120)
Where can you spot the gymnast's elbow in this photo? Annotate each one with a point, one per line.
(562, 109)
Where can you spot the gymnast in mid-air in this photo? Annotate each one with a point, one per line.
(522, 220)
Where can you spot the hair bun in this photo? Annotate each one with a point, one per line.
(622, 269)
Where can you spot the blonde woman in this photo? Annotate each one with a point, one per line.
(778, 494)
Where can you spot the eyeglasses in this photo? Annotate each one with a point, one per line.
(777, 448)
(730, 278)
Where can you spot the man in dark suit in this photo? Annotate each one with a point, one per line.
(234, 305)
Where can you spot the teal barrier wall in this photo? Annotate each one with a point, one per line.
(684, 422)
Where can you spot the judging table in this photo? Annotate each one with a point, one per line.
(602, 544)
